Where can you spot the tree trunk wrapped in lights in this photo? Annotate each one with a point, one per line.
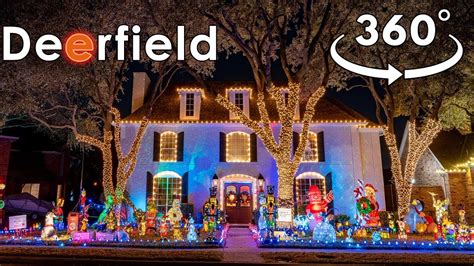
(280, 148)
(404, 173)
(126, 162)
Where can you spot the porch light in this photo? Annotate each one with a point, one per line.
(215, 180)
(261, 182)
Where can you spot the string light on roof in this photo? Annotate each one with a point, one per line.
(238, 89)
(361, 122)
(192, 90)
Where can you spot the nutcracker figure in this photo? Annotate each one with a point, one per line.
(262, 210)
(271, 212)
(211, 214)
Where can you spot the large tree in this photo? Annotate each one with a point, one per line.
(429, 104)
(81, 100)
(293, 36)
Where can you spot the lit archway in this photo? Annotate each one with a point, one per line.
(237, 178)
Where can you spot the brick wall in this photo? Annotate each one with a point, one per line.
(460, 195)
(428, 174)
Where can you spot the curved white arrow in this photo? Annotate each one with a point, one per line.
(391, 73)
(438, 68)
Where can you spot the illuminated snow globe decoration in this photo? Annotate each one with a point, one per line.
(324, 232)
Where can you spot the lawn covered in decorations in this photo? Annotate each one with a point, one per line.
(315, 227)
(114, 228)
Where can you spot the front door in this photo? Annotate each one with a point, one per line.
(238, 202)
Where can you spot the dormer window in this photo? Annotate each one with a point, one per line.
(240, 98)
(190, 103)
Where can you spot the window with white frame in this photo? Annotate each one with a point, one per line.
(311, 150)
(32, 188)
(166, 188)
(238, 147)
(189, 104)
(168, 147)
(239, 100)
(304, 181)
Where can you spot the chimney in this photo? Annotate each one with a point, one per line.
(141, 83)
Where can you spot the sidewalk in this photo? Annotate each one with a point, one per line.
(240, 247)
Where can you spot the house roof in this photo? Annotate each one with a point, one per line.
(166, 109)
(452, 148)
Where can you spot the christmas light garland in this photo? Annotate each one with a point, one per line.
(126, 162)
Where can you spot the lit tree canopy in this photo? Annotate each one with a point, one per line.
(295, 37)
(431, 103)
(60, 96)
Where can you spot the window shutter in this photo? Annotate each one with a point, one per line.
(296, 141)
(184, 188)
(156, 147)
(321, 153)
(149, 185)
(222, 147)
(253, 147)
(328, 184)
(180, 148)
